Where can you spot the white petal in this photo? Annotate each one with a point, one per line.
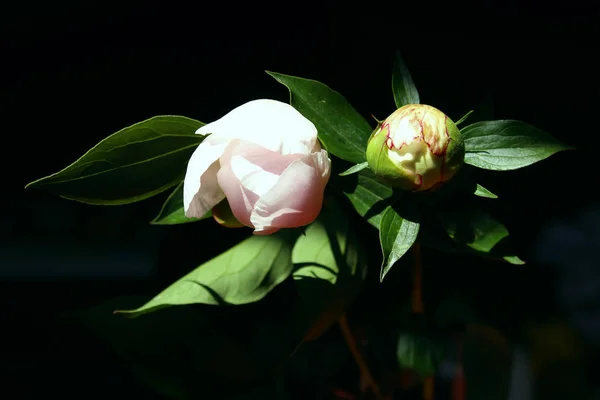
(247, 172)
(271, 124)
(297, 197)
(252, 176)
(201, 192)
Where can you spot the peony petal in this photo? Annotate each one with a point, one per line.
(247, 158)
(271, 124)
(240, 199)
(297, 197)
(249, 171)
(201, 191)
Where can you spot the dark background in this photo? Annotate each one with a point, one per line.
(75, 72)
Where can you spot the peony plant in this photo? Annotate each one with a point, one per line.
(310, 182)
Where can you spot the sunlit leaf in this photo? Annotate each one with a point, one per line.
(507, 144)
(133, 164)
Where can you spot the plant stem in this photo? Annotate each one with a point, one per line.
(358, 357)
(428, 385)
(458, 383)
(418, 307)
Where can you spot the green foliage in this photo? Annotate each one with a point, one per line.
(483, 192)
(243, 274)
(506, 144)
(342, 130)
(354, 169)
(133, 164)
(403, 88)
(464, 118)
(368, 195)
(474, 228)
(329, 267)
(186, 350)
(172, 212)
(397, 235)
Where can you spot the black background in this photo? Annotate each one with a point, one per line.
(74, 72)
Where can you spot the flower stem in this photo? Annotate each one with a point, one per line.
(358, 357)
(458, 383)
(418, 307)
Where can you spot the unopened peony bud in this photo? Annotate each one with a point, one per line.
(416, 148)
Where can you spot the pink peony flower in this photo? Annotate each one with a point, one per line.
(264, 157)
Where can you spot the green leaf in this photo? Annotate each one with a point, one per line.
(396, 235)
(369, 197)
(355, 168)
(133, 164)
(474, 228)
(513, 260)
(433, 235)
(507, 144)
(419, 353)
(172, 211)
(343, 131)
(330, 266)
(243, 274)
(483, 192)
(464, 118)
(403, 88)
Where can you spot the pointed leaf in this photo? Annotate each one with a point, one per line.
(369, 197)
(172, 211)
(514, 260)
(243, 274)
(133, 164)
(405, 91)
(474, 228)
(343, 131)
(507, 144)
(396, 235)
(483, 192)
(354, 169)
(433, 235)
(329, 269)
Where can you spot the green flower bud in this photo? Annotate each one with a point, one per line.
(416, 148)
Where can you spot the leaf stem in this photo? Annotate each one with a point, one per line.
(358, 357)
